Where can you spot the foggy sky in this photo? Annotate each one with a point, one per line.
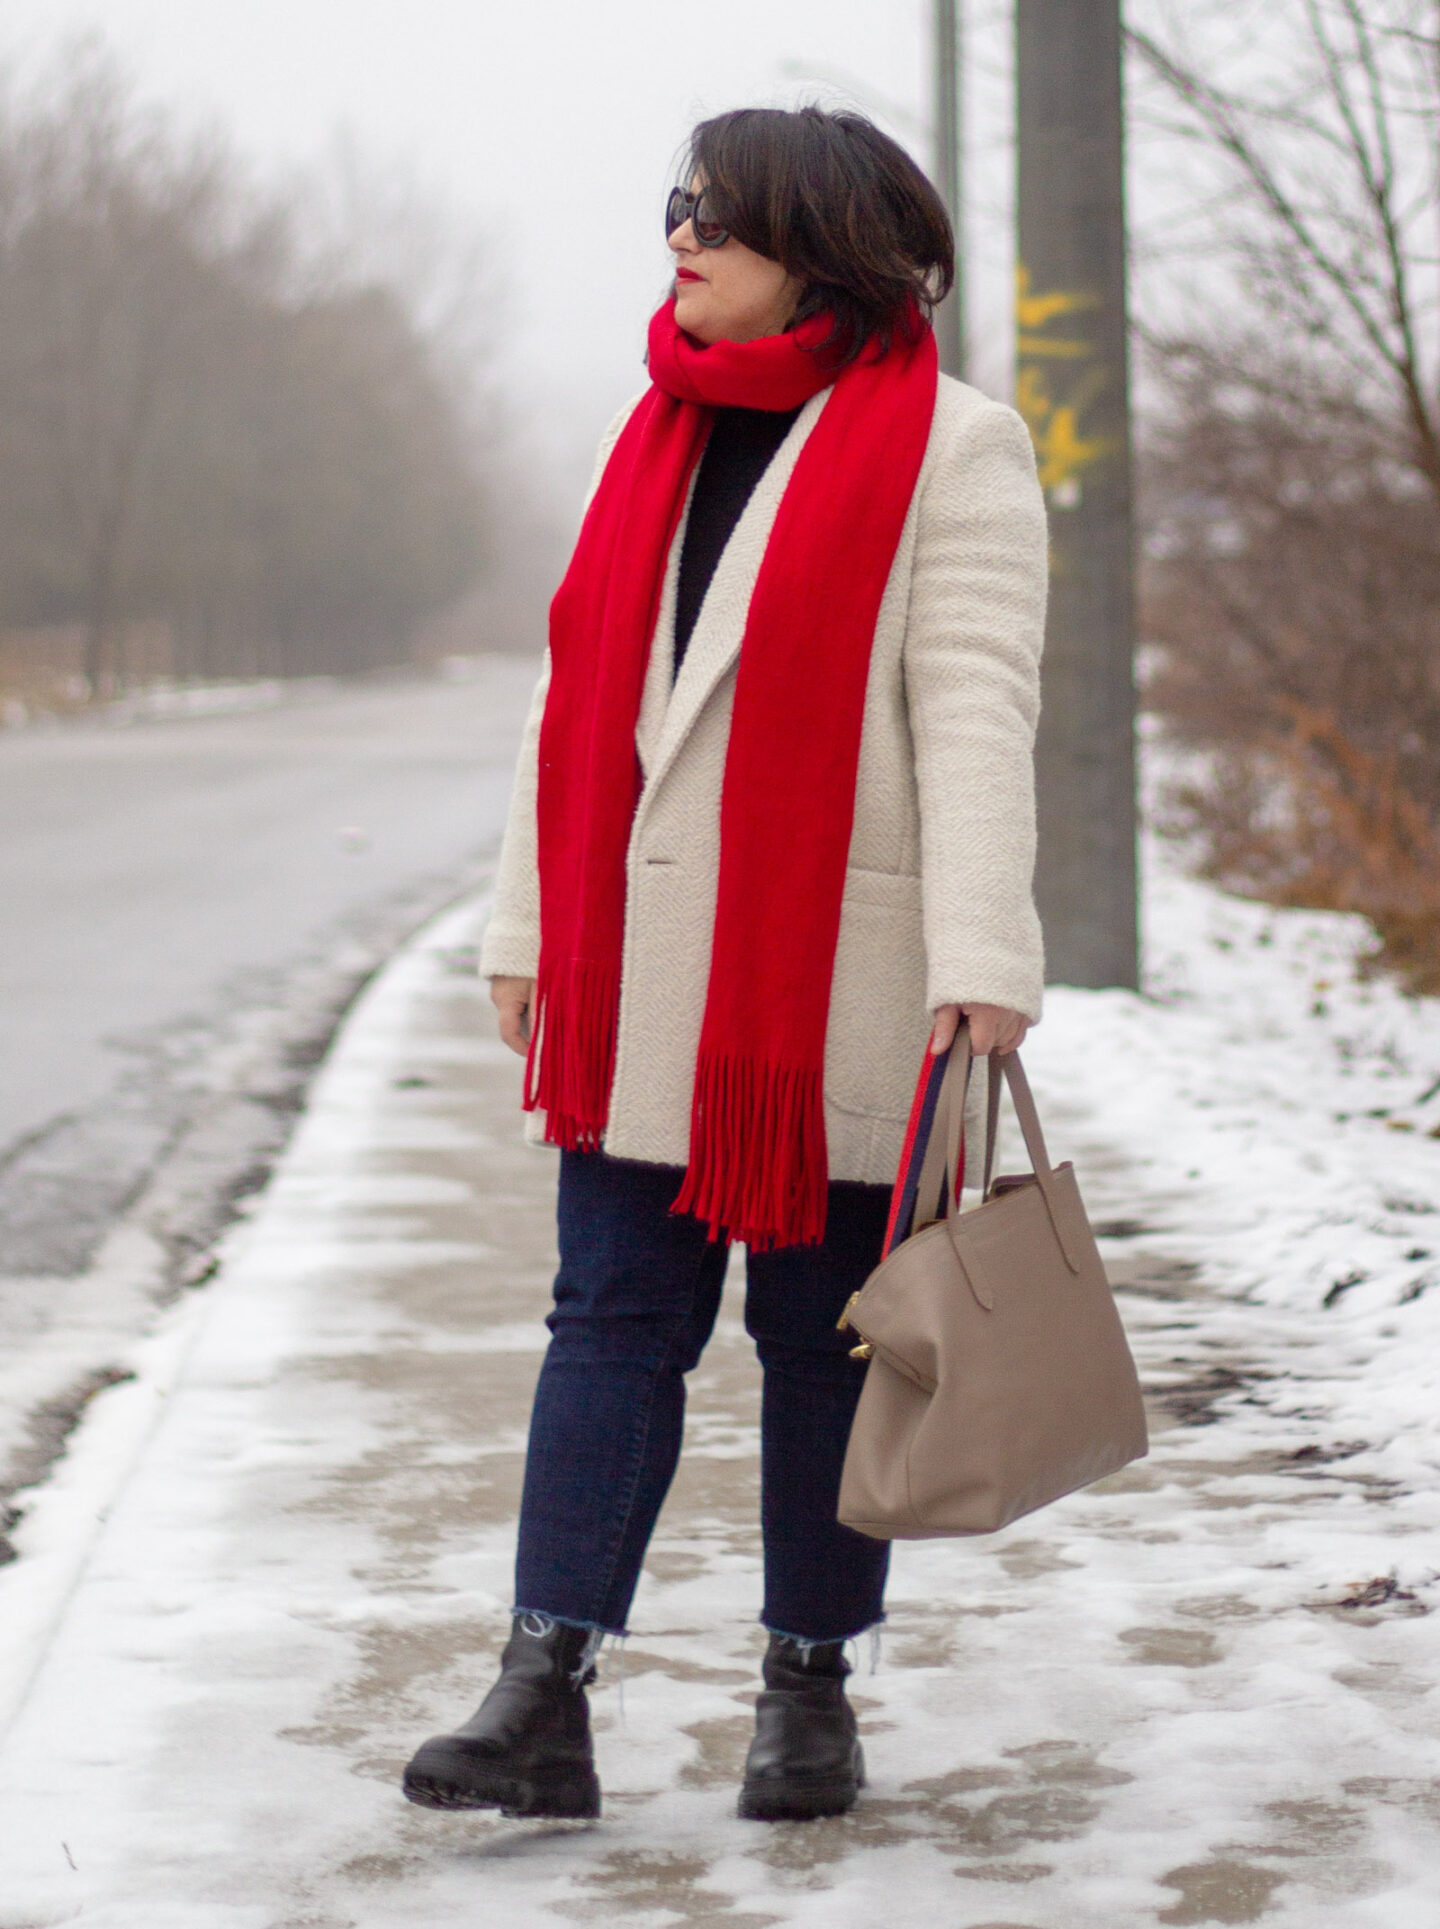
(556, 123)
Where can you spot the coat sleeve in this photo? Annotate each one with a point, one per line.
(510, 947)
(973, 639)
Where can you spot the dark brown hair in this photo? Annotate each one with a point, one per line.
(838, 204)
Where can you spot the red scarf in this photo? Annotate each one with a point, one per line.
(757, 1169)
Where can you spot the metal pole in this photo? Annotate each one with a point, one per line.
(1072, 387)
(949, 175)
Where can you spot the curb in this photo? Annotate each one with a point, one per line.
(65, 1514)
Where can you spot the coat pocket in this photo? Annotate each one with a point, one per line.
(878, 1023)
(898, 889)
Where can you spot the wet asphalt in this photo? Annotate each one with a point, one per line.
(172, 886)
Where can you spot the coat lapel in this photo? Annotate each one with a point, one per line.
(715, 641)
(660, 670)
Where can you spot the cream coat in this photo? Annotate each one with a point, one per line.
(937, 906)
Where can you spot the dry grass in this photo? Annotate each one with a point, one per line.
(1292, 592)
(1315, 820)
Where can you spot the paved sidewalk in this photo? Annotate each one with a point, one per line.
(1147, 1705)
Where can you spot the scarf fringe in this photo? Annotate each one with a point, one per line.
(571, 1063)
(758, 1172)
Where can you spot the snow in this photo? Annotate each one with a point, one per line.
(1203, 1691)
(1281, 1119)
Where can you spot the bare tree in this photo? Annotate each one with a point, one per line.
(1292, 480)
(1336, 158)
(101, 256)
(207, 422)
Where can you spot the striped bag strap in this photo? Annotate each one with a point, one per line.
(917, 1141)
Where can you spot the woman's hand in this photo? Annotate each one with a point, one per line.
(992, 1028)
(512, 998)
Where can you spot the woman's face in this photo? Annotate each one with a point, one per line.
(729, 293)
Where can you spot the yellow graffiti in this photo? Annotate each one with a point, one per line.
(1056, 351)
(1062, 452)
(1036, 311)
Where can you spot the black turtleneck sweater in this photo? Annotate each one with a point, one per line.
(737, 454)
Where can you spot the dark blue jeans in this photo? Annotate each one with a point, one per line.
(635, 1301)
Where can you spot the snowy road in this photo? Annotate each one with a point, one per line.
(159, 874)
(1202, 1692)
(189, 902)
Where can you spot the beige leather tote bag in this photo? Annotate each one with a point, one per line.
(999, 1375)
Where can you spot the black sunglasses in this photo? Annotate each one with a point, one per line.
(683, 207)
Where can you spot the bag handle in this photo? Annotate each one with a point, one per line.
(937, 1126)
(944, 1159)
(944, 1152)
(1024, 1103)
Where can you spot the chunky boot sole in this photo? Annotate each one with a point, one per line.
(451, 1780)
(802, 1798)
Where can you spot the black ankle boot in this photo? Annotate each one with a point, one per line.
(805, 1759)
(526, 1750)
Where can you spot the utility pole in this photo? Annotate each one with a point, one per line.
(1072, 387)
(948, 174)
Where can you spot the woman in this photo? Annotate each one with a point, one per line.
(772, 826)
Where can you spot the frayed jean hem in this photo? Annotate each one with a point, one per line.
(565, 1621)
(539, 1621)
(805, 1642)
